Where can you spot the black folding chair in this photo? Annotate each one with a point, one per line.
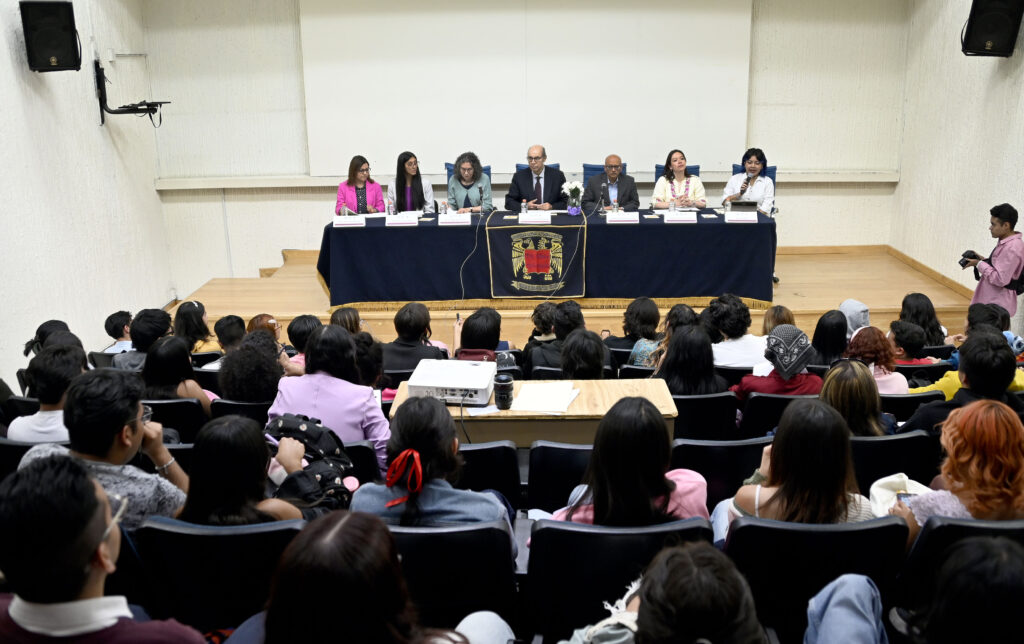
(620, 357)
(19, 406)
(628, 372)
(940, 351)
(183, 414)
(256, 411)
(733, 375)
(555, 469)
(208, 380)
(762, 412)
(205, 357)
(394, 377)
(930, 372)
(903, 406)
(101, 360)
(546, 373)
(916, 454)
(723, 464)
(491, 466)
(706, 416)
(364, 460)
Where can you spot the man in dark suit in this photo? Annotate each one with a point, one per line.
(539, 186)
(616, 187)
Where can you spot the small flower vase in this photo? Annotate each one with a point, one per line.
(575, 205)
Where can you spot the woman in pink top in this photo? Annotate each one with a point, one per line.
(626, 483)
(359, 193)
(870, 346)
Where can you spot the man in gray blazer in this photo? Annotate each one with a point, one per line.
(611, 186)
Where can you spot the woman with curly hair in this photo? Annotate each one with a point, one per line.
(870, 346)
(983, 471)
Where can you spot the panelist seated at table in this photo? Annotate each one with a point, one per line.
(611, 186)
(677, 185)
(469, 189)
(409, 191)
(752, 185)
(538, 185)
(359, 193)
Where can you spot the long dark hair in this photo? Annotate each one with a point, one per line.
(330, 350)
(669, 172)
(641, 319)
(811, 465)
(917, 308)
(424, 426)
(689, 365)
(583, 356)
(188, 323)
(830, 336)
(626, 473)
(417, 185)
(168, 364)
(227, 474)
(353, 170)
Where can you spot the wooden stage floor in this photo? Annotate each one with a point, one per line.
(813, 280)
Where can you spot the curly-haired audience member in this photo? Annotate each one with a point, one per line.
(730, 318)
(870, 346)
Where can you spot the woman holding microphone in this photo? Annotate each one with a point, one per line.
(752, 185)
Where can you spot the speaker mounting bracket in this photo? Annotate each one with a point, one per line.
(142, 107)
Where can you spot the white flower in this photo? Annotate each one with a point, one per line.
(572, 188)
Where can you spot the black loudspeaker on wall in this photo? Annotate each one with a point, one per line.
(992, 27)
(50, 36)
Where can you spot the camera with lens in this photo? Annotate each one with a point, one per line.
(968, 254)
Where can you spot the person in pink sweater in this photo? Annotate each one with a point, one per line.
(359, 193)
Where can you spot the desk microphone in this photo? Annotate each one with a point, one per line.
(481, 190)
(600, 201)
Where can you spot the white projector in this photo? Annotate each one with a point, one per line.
(454, 381)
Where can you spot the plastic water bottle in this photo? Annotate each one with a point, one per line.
(615, 205)
(672, 205)
(728, 206)
(443, 208)
(523, 208)
(391, 207)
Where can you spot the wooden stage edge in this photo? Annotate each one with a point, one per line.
(814, 279)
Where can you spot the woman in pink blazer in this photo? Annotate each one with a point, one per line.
(359, 193)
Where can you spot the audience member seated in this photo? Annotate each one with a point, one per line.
(731, 318)
(341, 577)
(59, 543)
(829, 341)
(689, 593)
(43, 331)
(627, 482)
(1015, 341)
(869, 345)
(190, 324)
(639, 325)
(107, 426)
(478, 337)
(857, 316)
(806, 474)
(267, 322)
(917, 309)
(230, 330)
(251, 372)
(423, 456)
(584, 356)
(774, 316)
(987, 368)
(329, 391)
(950, 382)
(228, 475)
(789, 352)
(348, 318)
(983, 473)
(50, 373)
(369, 359)
(543, 318)
(148, 326)
(850, 389)
(907, 341)
(298, 333)
(168, 373)
(116, 325)
(689, 365)
(679, 316)
(567, 318)
(412, 324)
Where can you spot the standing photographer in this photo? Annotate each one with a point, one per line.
(999, 274)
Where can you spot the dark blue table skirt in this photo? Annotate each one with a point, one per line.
(653, 259)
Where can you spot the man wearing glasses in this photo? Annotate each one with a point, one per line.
(610, 187)
(107, 426)
(538, 185)
(59, 542)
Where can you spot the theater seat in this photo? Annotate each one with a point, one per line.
(183, 414)
(555, 469)
(917, 454)
(762, 412)
(254, 410)
(723, 464)
(492, 465)
(364, 460)
(706, 416)
(903, 406)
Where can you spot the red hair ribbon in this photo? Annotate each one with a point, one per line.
(397, 470)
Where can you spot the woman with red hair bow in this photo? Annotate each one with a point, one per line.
(983, 472)
(423, 459)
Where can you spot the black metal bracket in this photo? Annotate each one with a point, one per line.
(142, 107)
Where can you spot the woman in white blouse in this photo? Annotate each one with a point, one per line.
(409, 191)
(677, 185)
(751, 185)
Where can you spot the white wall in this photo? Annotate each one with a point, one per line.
(82, 232)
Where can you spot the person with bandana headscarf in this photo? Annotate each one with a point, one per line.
(789, 351)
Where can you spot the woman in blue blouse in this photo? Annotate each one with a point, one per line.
(469, 189)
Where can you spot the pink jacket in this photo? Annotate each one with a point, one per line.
(347, 197)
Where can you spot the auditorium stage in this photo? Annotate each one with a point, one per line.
(813, 280)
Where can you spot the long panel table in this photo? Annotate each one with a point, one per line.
(652, 258)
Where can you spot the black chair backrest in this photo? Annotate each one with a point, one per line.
(917, 454)
(620, 357)
(573, 568)
(818, 369)
(916, 579)
(788, 563)
(19, 406)
(452, 571)
(22, 375)
(211, 577)
(394, 377)
(364, 460)
(630, 372)
(518, 355)
(903, 406)
(100, 359)
(11, 453)
(940, 351)
(516, 372)
(762, 412)
(256, 411)
(208, 380)
(723, 464)
(205, 357)
(930, 372)
(546, 373)
(183, 414)
(182, 453)
(706, 416)
(491, 466)
(555, 469)
(733, 375)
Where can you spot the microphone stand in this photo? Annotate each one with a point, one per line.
(599, 208)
